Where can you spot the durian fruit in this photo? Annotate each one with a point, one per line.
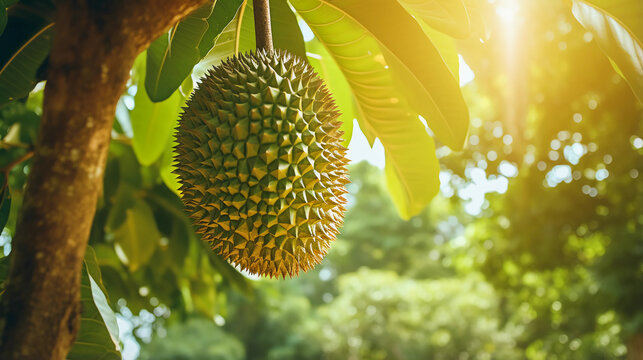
(261, 164)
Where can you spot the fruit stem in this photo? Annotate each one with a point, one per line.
(263, 32)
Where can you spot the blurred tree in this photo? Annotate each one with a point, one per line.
(195, 339)
(564, 245)
(380, 315)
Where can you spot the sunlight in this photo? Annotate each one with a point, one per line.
(509, 25)
(507, 11)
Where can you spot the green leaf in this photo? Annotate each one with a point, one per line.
(5, 201)
(137, 237)
(429, 85)
(230, 274)
(129, 170)
(447, 16)
(152, 124)
(171, 57)
(382, 112)
(186, 87)
(405, 204)
(326, 67)
(239, 35)
(235, 38)
(4, 272)
(434, 93)
(98, 334)
(124, 199)
(447, 49)
(24, 45)
(3, 16)
(170, 179)
(286, 33)
(203, 289)
(224, 12)
(618, 29)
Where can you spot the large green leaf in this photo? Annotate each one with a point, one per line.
(326, 67)
(382, 112)
(137, 237)
(152, 122)
(418, 66)
(24, 46)
(618, 29)
(447, 48)
(171, 57)
(448, 16)
(98, 334)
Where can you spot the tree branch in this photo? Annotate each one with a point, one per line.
(26, 156)
(94, 48)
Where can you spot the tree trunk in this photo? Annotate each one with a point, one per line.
(635, 347)
(94, 48)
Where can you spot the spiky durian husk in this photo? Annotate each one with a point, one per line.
(261, 164)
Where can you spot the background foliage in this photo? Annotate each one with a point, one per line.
(531, 249)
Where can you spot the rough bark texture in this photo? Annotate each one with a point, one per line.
(95, 45)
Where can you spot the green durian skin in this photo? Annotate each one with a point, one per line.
(261, 164)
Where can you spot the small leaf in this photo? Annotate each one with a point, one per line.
(170, 179)
(5, 201)
(619, 38)
(152, 124)
(137, 237)
(171, 57)
(98, 334)
(186, 87)
(24, 45)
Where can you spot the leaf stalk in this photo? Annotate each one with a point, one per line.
(263, 32)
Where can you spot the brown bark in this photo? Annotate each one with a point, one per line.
(94, 48)
(635, 347)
